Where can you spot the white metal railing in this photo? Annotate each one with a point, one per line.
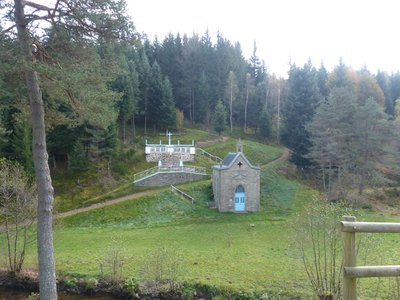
(163, 169)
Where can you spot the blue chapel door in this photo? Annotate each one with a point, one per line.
(240, 199)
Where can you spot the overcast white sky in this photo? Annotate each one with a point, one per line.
(362, 32)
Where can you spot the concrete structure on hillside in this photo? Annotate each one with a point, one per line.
(170, 168)
(170, 155)
(236, 183)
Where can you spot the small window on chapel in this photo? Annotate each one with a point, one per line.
(240, 164)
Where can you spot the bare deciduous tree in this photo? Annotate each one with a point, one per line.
(18, 200)
(318, 240)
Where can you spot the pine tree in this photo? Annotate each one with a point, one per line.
(384, 82)
(220, 117)
(352, 142)
(265, 124)
(202, 103)
(330, 133)
(299, 108)
(127, 83)
(167, 106)
(21, 143)
(78, 160)
(106, 21)
(155, 95)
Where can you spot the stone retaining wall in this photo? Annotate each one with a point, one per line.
(161, 179)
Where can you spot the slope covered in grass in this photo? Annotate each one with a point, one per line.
(242, 252)
(249, 253)
(257, 153)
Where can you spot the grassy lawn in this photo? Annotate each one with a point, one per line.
(217, 249)
(256, 152)
(242, 252)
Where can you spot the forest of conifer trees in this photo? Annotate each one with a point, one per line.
(99, 91)
(76, 89)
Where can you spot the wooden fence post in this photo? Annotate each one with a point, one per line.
(349, 260)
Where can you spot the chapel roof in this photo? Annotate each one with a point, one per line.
(229, 160)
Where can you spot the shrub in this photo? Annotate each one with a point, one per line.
(112, 263)
(161, 266)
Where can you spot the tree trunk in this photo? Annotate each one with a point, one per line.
(247, 102)
(278, 119)
(145, 113)
(47, 277)
(230, 108)
(133, 126)
(123, 130)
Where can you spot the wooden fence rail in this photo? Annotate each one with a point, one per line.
(209, 155)
(351, 272)
(182, 193)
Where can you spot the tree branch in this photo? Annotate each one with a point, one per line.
(8, 29)
(53, 14)
(38, 6)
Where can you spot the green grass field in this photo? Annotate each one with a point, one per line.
(250, 252)
(257, 153)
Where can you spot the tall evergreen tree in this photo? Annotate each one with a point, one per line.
(265, 124)
(202, 102)
(127, 83)
(395, 87)
(155, 95)
(167, 106)
(330, 133)
(384, 82)
(322, 78)
(144, 86)
(352, 142)
(220, 117)
(21, 142)
(107, 20)
(299, 109)
(256, 68)
(78, 161)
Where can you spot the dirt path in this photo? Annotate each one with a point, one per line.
(284, 156)
(73, 212)
(106, 203)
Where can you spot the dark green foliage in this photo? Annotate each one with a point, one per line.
(299, 109)
(384, 82)
(322, 78)
(110, 140)
(352, 142)
(21, 144)
(265, 124)
(339, 76)
(155, 95)
(78, 161)
(168, 119)
(330, 134)
(256, 68)
(220, 117)
(395, 86)
(127, 83)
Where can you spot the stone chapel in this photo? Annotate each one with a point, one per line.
(236, 183)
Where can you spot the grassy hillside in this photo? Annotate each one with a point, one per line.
(256, 152)
(233, 251)
(249, 253)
